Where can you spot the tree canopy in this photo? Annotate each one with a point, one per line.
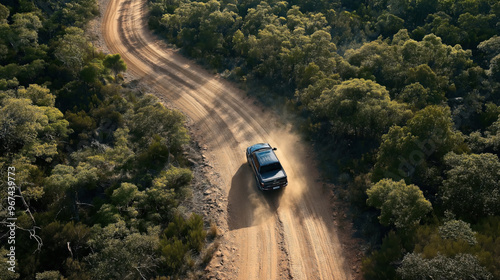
(401, 205)
(100, 167)
(471, 188)
(361, 108)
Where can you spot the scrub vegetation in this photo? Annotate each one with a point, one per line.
(99, 167)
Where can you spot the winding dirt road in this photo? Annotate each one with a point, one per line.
(284, 235)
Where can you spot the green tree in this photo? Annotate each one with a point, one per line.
(25, 30)
(419, 97)
(20, 123)
(360, 107)
(264, 50)
(40, 95)
(77, 13)
(119, 253)
(389, 24)
(29, 178)
(155, 119)
(216, 31)
(378, 60)
(62, 241)
(174, 178)
(93, 72)
(201, 28)
(257, 18)
(457, 230)
(73, 49)
(165, 192)
(4, 14)
(4, 32)
(124, 194)
(306, 57)
(121, 154)
(380, 264)
(115, 63)
(452, 238)
(477, 27)
(25, 74)
(108, 214)
(62, 178)
(442, 25)
(401, 205)
(419, 147)
(126, 199)
(8, 84)
(65, 181)
(471, 188)
(179, 237)
(487, 232)
(347, 27)
(494, 70)
(80, 121)
(424, 75)
(489, 48)
(443, 59)
(308, 95)
(462, 266)
(158, 203)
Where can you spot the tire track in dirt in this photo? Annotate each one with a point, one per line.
(282, 235)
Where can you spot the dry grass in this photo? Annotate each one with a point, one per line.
(209, 252)
(213, 232)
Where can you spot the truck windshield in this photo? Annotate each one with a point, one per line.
(270, 167)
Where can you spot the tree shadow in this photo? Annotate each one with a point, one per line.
(247, 205)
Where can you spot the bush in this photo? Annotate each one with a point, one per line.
(380, 265)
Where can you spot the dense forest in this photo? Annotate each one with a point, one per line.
(97, 168)
(402, 100)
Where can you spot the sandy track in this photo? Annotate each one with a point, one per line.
(284, 235)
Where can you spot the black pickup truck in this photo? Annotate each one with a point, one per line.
(267, 168)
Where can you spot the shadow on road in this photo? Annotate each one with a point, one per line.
(247, 205)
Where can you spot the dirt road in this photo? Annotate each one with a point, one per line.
(285, 235)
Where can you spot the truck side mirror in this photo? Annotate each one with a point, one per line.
(274, 149)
